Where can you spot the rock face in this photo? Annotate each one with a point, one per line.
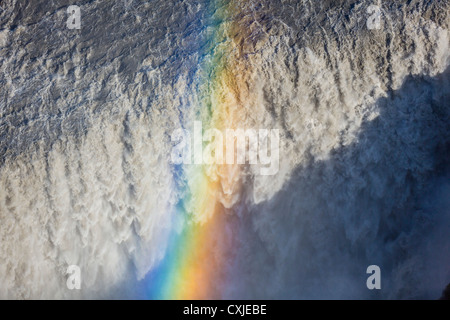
(361, 102)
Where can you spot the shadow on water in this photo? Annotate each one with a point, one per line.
(381, 200)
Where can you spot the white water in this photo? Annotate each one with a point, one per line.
(85, 123)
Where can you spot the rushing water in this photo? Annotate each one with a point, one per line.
(86, 178)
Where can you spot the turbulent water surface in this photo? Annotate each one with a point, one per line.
(86, 118)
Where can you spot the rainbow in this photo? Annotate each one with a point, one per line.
(196, 259)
